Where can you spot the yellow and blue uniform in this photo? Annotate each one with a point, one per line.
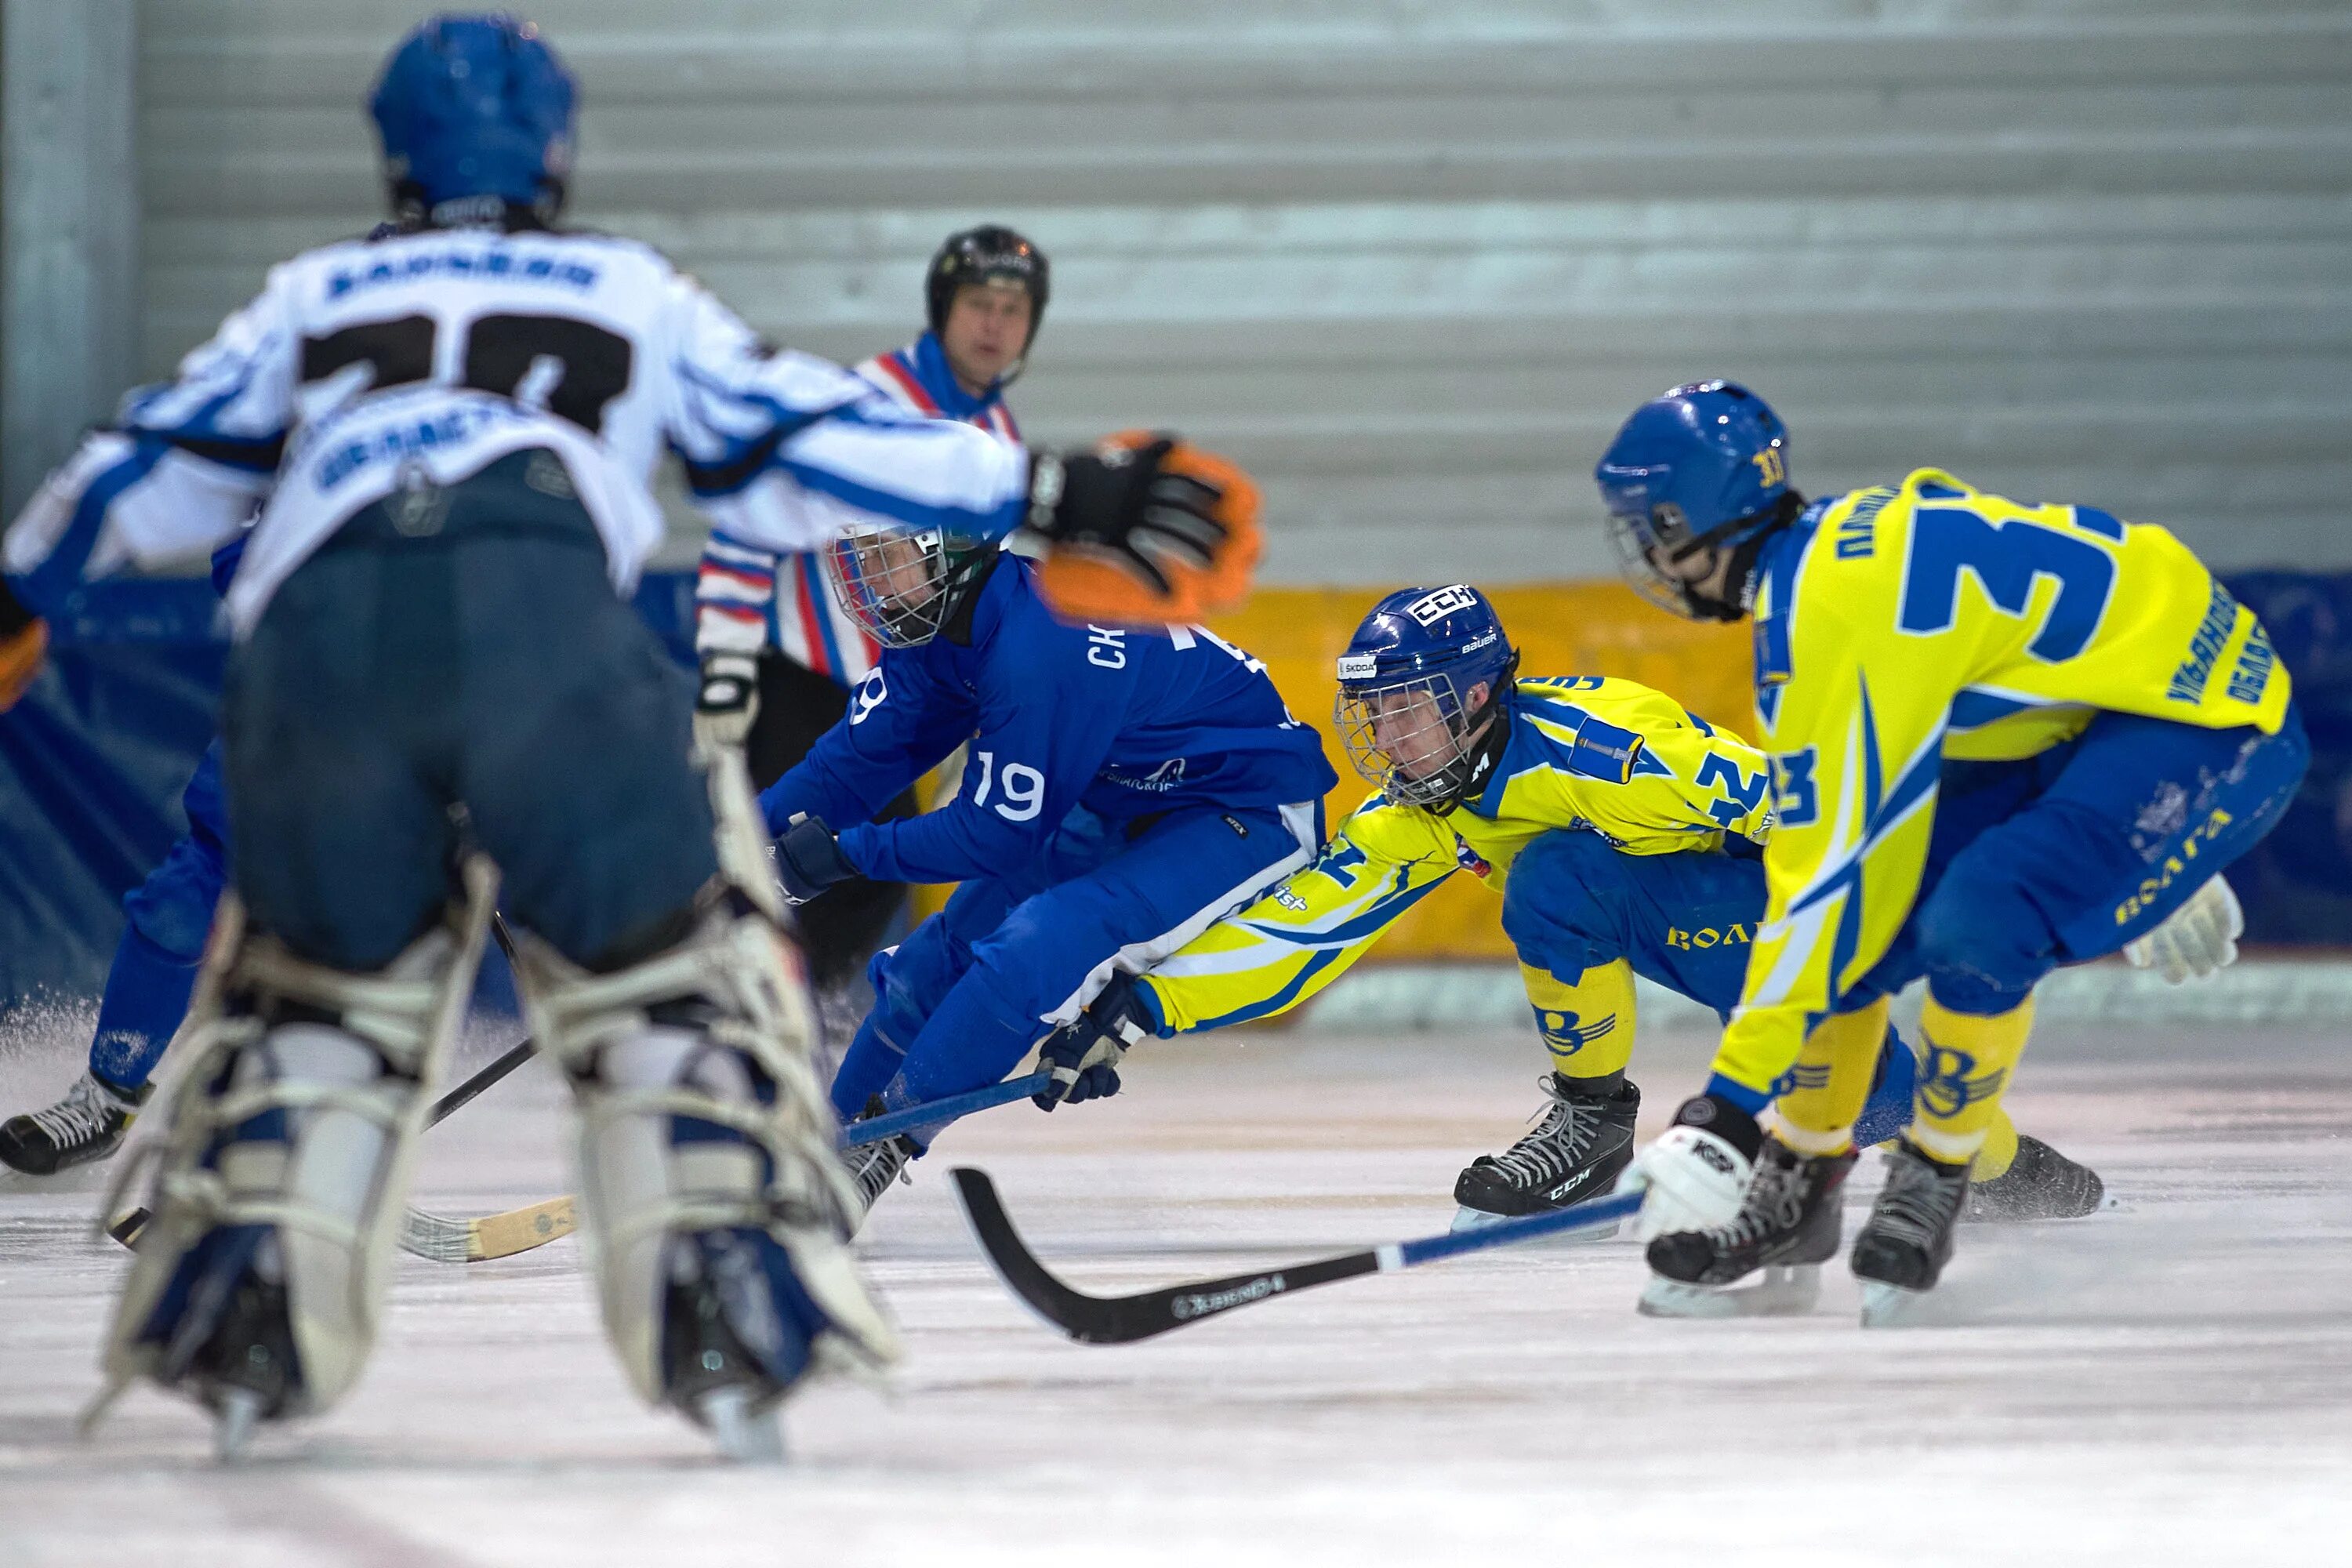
(1593, 768)
(2002, 737)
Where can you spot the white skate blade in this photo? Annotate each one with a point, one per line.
(1884, 1305)
(1479, 1219)
(1788, 1290)
(742, 1437)
(233, 1423)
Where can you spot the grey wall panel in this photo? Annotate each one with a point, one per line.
(1412, 263)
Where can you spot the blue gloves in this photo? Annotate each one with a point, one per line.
(809, 858)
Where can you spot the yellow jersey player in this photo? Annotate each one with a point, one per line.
(2004, 737)
(1623, 835)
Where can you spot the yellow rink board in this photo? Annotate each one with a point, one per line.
(1560, 628)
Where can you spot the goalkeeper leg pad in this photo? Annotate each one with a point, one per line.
(715, 1210)
(282, 1168)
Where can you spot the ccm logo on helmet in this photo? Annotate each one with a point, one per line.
(1436, 607)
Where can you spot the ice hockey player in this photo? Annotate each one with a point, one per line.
(1623, 835)
(780, 655)
(166, 917)
(2002, 738)
(452, 426)
(1124, 788)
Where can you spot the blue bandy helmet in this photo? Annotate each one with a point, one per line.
(1705, 465)
(475, 109)
(1410, 711)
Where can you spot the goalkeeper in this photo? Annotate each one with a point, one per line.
(1624, 835)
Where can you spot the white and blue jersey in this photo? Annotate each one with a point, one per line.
(1125, 723)
(367, 366)
(747, 598)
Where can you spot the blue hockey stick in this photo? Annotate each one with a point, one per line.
(1123, 1319)
(931, 1113)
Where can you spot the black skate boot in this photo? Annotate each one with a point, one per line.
(2040, 1184)
(1788, 1226)
(87, 1124)
(1902, 1249)
(1575, 1153)
(874, 1166)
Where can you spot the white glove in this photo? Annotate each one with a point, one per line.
(1695, 1180)
(729, 702)
(2198, 937)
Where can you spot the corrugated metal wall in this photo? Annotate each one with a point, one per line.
(1411, 261)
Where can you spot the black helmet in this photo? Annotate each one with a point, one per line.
(977, 256)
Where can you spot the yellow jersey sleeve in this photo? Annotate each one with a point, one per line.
(1900, 626)
(1624, 761)
(1285, 948)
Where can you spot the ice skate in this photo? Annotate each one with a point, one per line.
(874, 1166)
(1902, 1249)
(87, 1124)
(1788, 1226)
(1575, 1152)
(2040, 1184)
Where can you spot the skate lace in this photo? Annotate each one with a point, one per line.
(1917, 1205)
(82, 1117)
(1558, 1142)
(884, 1162)
(1775, 1203)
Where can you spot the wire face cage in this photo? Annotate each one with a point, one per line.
(899, 586)
(1408, 737)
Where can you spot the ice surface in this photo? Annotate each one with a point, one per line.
(2169, 1383)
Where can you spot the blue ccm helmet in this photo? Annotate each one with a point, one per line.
(1404, 710)
(1705, 465)
(475, 110)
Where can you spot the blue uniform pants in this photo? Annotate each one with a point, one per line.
(170, 915)
(2066, 857)
(1013, 957)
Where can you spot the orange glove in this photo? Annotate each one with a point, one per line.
(1144, 530)
(23, 639)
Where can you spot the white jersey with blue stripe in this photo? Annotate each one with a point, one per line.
(367, 365)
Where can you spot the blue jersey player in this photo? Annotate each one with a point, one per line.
(1124, 789)
(166, 919)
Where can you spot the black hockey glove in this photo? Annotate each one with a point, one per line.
(1085, 1058)
(23, 639)
(729, 700)
(809, 858)
(1159, 522)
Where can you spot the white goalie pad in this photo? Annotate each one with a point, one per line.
(701, 1115)
(284, 1162)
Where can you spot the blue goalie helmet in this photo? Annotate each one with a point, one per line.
(1703, 466)
(1419, 689)
(475, 109)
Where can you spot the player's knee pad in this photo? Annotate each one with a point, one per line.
(714, 1207)
(283, 1166)
(1558, 906)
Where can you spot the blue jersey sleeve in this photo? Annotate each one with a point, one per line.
(1047, 720)
(902, 720)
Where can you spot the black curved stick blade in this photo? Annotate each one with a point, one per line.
(1123, 1319)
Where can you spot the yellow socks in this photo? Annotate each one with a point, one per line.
(1956, 1111)
(1832, 1073)
(1588, 1026)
